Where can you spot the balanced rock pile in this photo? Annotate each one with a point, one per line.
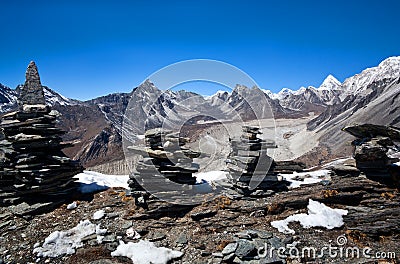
(377, 151)
(164, 157)
(33, 167)
(286, 166)
(249, 165)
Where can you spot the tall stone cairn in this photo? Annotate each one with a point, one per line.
(164, 159)
(249, 161)
(32, 91)
(33, 168)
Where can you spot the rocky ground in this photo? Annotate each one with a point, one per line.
(224, 230)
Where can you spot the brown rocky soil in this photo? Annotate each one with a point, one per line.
(202, 231)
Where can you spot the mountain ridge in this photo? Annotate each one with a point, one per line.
(100, 140)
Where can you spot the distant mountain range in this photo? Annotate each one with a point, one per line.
(95, 126)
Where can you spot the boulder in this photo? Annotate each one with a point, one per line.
(375, 151)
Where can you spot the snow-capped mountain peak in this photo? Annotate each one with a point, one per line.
(330, 83)
(303, 98)
(217, 94)
(284, 93)
(390, 62)
(270, 94)
(300, 91)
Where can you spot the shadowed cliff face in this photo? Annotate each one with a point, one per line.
(83, 125)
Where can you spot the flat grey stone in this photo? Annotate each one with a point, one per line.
(156, 236)
(228, 258)
(230, 248)
(264, 234)
(217, 255)
(182, 239)
(245, 249)
(25, 209)
(204, 214)
(276, 242)
(112, 215)
(89, 237)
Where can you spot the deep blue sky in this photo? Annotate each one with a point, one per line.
(86, 49)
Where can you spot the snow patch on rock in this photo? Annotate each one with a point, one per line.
(297, 179)
(72, 206)
(60, 243)
(94, 181)
(211, 176)
(145, 252)
(319, 215)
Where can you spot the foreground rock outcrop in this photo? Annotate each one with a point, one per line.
(376, 151)
(35, 173)
(222, 230)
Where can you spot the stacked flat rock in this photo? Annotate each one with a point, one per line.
(287, 166)
(376, 151)
(33, 166)
(164, 157)
(249, 161)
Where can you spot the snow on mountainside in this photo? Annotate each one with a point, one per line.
(112, 106)
(332, 92)
(53, 98)
(219, 93)
(360, 89)
(330, 83)
(8, 98)
(284, 93)
(388, 69)
(98, 140)
(240, 99)
(309, 99)
(381, 107)
(6, 94)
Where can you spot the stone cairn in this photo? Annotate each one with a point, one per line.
(33, 167)
(376, 152)
(164, 157)
(249, 161)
